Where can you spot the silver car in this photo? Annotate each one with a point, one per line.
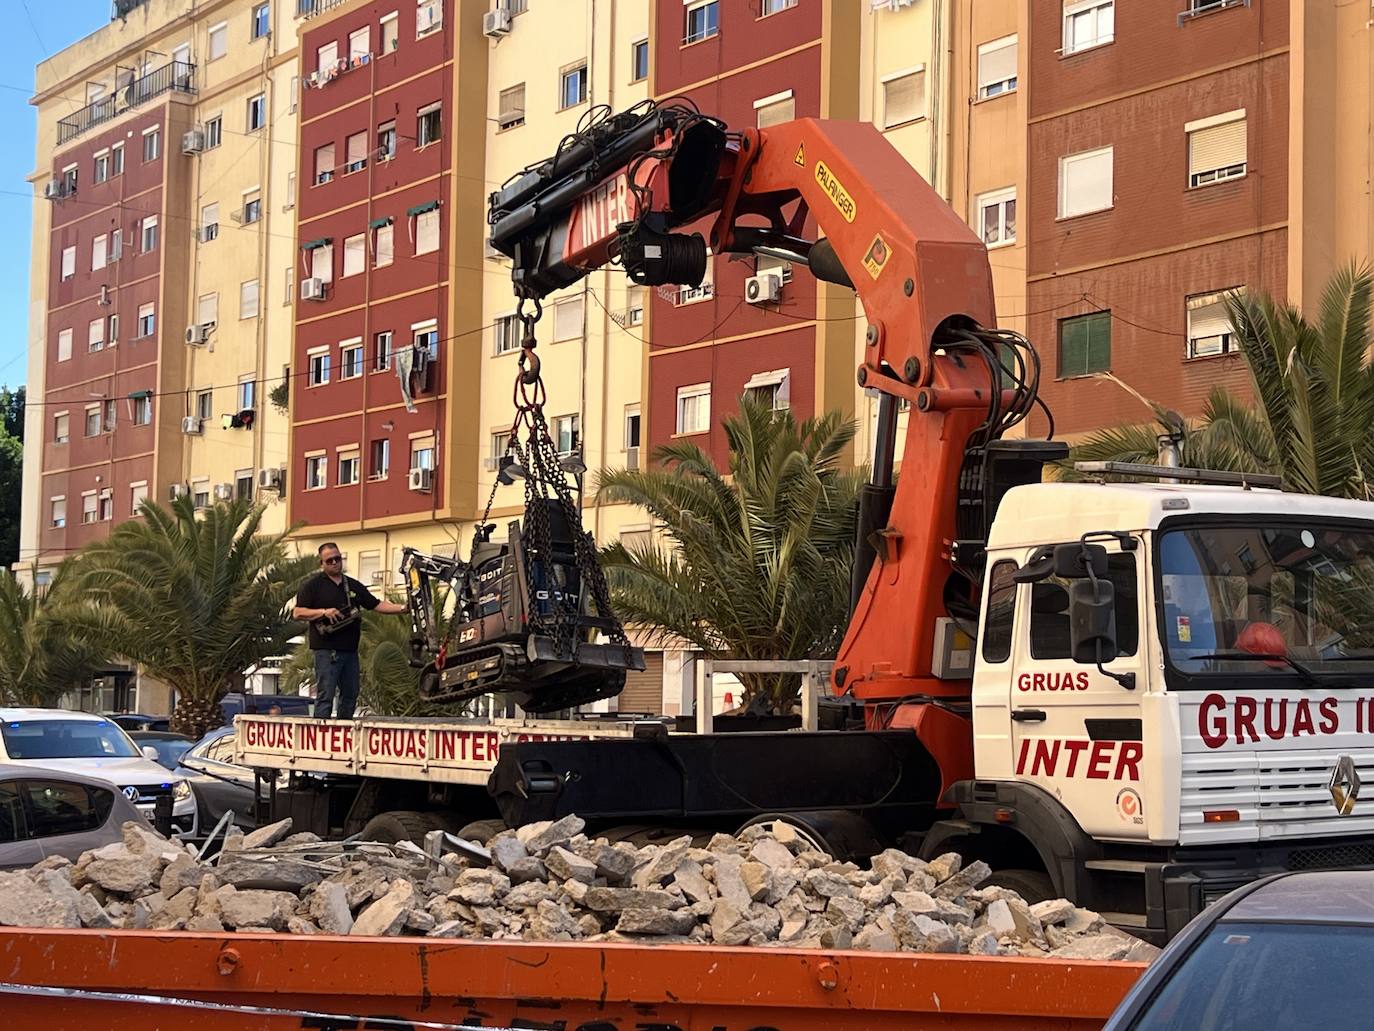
(43, 813)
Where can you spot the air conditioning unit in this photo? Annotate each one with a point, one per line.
(193, 141)
(198, 334)
(224, 491)
(54, 189)
(190, 424)
(632, 458)
(764, 288)
(269, 479)
(422, 480)
(312, 289)
(177, 490)
(314, 80)
(491, 464)
(496, 24)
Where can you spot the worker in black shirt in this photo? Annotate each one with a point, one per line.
(332, 603)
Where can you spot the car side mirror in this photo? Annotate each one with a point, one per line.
(1092, 621)
(149, 752)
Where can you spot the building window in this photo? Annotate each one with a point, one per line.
(149, 235)
(500, 444)
(262, 21)
(88, 511)
(243, 484)
(114, 330)
(1085, 344)
(348, 468)
(770, 389)
(316, 471)
(427, 231)
(95, 335)
(61, 428)
(105, 500)
(359, 44)
(631, 426)
(355, 152)
(257, 112)
(289, 297)
(694, 408)
(1085, 182)
(327, 59)
(515, 6)
(429, 124)
(209, 223)
(429, 17)
(1088, 24)
(111, 411)
(93, 420)
(319, 368)
(639, 60)
(247, 395)
(219, 42)
(102, 166)
(354, 255)
(997, 67)
(1216, 148)
(350, 359)
(386, 141)
(780, 107)
(152, 145)
(322, 264)
(290, 191)
(567, 433)
(705, 290)
(768, 7)
(207, 309)
(1209, 325)
(64, 345)
(324, 164)
(703, 21)
(69, 176)
(143, 409)
(68, 262)
(510, 110)
(427, 338)
(996, 216)
(572, 86)
(252, 208)
(378, 459)
(147, 320)
(58, 517)
(505, 334)
(391, 32)
(117, 160)
(205, 405)
(422, 454)
(99, 246)
(567, 319)
(634, 306)
(138, 493)
(248, 299)
(381, 351)
(904, 97)
(383, 245)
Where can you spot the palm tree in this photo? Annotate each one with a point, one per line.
(195, 597)
(1312, 422)
(40, 658)
(760, 556)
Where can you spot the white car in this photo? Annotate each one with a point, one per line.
(81, 742)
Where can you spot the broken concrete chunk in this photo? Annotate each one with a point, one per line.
(506, 850)
(269, 835)
(567, 865)
(641, 920)
(254, 908)
(387, 915)
(969, 877)
(944, 866)
(560, 832)
(1052, 911)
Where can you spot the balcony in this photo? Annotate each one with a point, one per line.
(311, 8)
(177, 76)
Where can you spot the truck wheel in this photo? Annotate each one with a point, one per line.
(389, 828)
(1032, 885)
(481, 831)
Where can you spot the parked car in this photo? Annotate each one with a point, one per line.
(62, 741)
(169, 747)
(1288, 951)
(286, 704)
(218, 782)
(43, 814)
(139, 720)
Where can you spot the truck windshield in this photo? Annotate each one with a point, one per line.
(66, 739)
(1281, 600)
(1252, 977)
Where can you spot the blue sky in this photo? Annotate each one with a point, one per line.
(42, 28)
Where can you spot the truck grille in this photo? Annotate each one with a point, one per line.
(1334, 857)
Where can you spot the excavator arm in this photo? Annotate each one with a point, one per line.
(622, 190)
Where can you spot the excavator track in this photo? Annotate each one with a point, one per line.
(536, 687)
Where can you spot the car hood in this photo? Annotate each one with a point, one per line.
(137, 771)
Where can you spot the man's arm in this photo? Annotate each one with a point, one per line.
(390, 608)
(368, 600)
(306, 610)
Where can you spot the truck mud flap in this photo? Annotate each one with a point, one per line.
(59, 980)
(690, 776)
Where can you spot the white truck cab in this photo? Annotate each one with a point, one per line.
(1236, 708)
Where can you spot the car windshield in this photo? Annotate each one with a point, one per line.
(169, 750)
(1280, 600)
(1261, 977)
(67, 739)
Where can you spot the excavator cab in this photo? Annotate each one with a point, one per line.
(523, 622)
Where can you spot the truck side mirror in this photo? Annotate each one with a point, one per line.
(1092, 621)
(1072, 561)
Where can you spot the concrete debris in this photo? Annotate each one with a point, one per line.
(551, 882)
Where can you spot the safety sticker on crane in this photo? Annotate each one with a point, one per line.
(876, 258)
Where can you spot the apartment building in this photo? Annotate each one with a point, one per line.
(164, 140)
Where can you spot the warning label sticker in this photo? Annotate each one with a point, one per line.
(800, 159)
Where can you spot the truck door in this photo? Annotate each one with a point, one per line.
(1075, 731)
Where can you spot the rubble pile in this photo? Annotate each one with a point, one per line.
(551, 882)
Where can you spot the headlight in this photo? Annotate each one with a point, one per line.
(181, 790)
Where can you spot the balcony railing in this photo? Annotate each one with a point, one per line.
(310, 8)
(178, 76)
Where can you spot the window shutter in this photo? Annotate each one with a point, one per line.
(1216, 147)
(1207, 317)
(997, 65)
(385, 245)
(355, 148)
(1086, 183)
(567, 320)
(904, 98)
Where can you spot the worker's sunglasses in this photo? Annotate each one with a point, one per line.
(331, 561)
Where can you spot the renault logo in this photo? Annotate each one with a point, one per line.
(1344, 785)
(131, 793)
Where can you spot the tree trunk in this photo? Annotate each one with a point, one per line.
(195, 717)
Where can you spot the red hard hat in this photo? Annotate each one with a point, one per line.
(1262, 639)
